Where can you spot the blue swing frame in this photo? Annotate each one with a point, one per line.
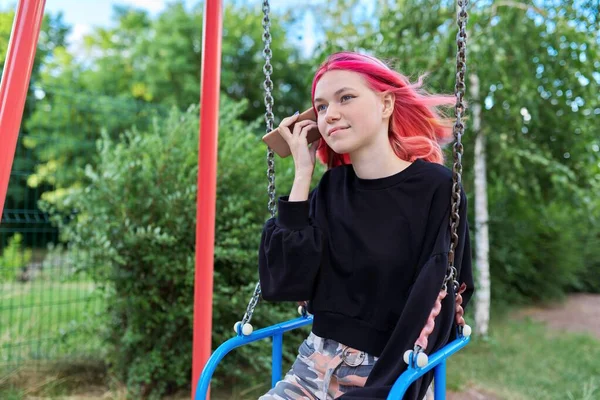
(437, 361)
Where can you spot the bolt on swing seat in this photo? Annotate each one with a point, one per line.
(418, 362)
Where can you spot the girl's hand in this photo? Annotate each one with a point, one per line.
(304, 155)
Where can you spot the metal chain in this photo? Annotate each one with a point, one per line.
(252, 305)
(459, 129)
(457, 151)
(269, 119)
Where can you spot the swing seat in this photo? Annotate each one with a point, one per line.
(437, 361)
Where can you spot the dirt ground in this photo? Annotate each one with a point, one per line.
(472, 394)
(580, 313)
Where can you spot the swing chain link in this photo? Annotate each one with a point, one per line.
(269, 119)
(457, 150)
(252, 305)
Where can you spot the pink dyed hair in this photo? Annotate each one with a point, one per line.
(417, 129)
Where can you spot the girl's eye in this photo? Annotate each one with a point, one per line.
(345, 97)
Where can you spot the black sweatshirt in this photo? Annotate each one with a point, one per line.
(370, 255)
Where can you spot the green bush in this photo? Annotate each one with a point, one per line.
(136, 223)
(588, 280)
(536, 250)
(13, 258)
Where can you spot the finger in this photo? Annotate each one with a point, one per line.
(289, 120)
(304, 128)
(313, 148)
(301, 125)
(304, 131)
(284, 125)
(285, 132)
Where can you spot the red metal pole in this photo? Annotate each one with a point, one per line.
(207, 186)
(15, 81)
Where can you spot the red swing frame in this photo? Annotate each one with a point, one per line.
(13, 92)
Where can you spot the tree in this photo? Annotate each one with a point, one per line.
(538, 118)
(482, 241)
(134, 69)
(159, 60)
(539, 100)
(53, 34)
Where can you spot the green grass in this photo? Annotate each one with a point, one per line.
(524, 360)
(62, 379)
(51, 321)
(47, 320)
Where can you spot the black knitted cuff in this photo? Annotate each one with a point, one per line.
(293, 214)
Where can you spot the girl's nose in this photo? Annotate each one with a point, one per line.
(332, 115)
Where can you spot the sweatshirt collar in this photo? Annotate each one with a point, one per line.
(385, 182)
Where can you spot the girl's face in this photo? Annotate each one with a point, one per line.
(350, 115)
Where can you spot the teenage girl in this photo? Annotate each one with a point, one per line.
(368, 247)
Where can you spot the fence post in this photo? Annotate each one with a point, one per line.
(15, 82)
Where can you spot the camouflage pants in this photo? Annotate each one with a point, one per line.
(323, 370)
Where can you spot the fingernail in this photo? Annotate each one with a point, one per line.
(297, 112)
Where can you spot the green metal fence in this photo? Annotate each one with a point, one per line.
(49, 310)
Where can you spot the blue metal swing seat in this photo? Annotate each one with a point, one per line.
(437, 361)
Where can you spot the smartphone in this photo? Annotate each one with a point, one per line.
(275, 141)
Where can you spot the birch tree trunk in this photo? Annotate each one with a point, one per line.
(482, 262)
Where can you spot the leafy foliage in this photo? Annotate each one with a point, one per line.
(540, 113)
(133, 70)
(135, 223)
(52, 36)
(133, 210)
(14, 257)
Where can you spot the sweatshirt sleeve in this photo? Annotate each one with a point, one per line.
(420, 302)
(290, 252)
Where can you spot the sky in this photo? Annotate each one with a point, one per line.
(82, 15)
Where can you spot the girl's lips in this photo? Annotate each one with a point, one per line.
(336, 131)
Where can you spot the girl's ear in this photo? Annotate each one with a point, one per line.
(388, 100)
